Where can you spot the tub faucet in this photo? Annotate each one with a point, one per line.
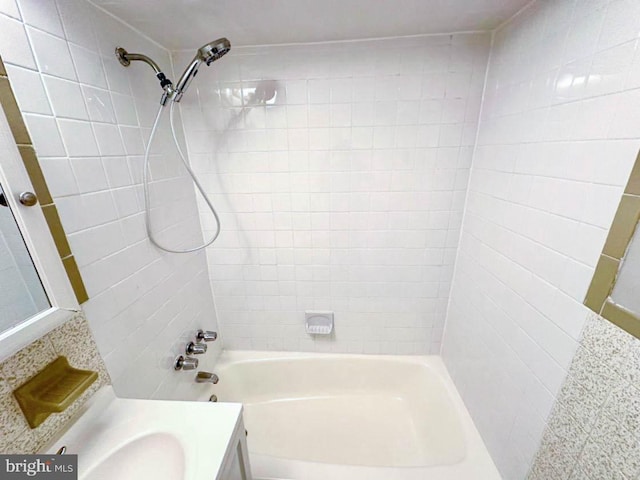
(206, 377)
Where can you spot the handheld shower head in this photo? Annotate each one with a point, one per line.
(208, 54)
(212, 51)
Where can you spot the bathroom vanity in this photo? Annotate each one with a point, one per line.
(127, 439)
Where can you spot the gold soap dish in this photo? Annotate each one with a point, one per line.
(52, 390)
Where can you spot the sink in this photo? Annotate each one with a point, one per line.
(158, 455)
(129, 439)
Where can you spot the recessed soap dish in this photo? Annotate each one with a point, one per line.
(319, 323)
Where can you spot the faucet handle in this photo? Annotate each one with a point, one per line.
(185, 363)
(206, 377)
(196, 348)
(207, 335)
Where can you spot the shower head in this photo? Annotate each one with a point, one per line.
(212, 51)
(208, 54)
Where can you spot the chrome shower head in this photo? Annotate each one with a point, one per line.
(212, 51)
(208, 54)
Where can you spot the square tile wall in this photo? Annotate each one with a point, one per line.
(18, 135)
(73, 340)
(558, 137)
(89, 119)
(340, 173)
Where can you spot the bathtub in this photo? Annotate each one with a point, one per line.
(352, 417)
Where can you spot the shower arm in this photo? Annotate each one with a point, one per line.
(125, 58)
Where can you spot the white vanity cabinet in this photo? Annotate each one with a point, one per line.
(128, 439)
(236, 463)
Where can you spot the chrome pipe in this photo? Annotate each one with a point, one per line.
(125, 58)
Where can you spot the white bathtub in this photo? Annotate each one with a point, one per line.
(352, 417)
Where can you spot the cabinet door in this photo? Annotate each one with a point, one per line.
(235, 468)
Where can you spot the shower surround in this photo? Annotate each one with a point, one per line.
(558, 137)
(340, 173)
(88, 117)
(327, 188)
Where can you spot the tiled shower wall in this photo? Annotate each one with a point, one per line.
(559, 134)
(340, 172)
(89, 119)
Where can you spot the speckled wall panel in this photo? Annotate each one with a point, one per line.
(72, 340)
(593, 432)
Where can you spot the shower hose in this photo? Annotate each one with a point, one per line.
(145, 184)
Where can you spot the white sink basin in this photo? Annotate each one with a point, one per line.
(126, 439)
(158, 455)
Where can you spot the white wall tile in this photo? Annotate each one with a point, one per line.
(117, 171)
(324, 193)
(109, 139)
(547, 176)
(10, 8)
(74, 15)
(117, 77)
(29, 90)
(99, 104)
(89, 66)
(43, 15)
(89, 173)
(78, 138)
(66, 98)
(16, 48)
(125, 109)
(45, 135)
(59, 175)
(52, 54)
(134, 290)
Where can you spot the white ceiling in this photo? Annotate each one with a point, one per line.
(186, 24)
